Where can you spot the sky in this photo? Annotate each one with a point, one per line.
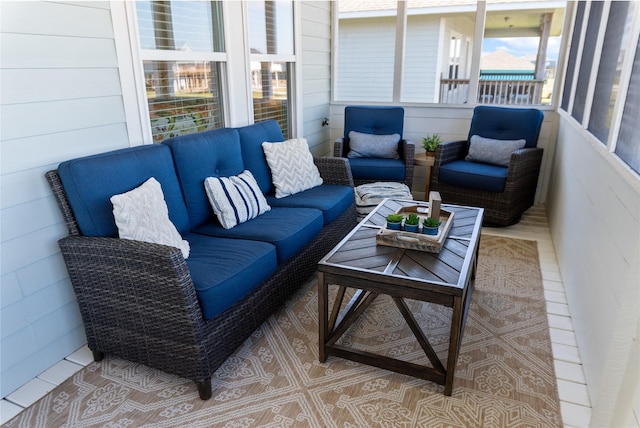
(522, 46)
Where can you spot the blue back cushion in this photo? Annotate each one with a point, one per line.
(251, 139)
(213, 153)
(89, 183)
(503, 123)
(376, 120)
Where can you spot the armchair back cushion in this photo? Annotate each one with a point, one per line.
(376, 120)
(214, 153)
(91, 181)
(501, 123)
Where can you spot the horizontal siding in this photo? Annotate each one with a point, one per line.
(421, 59)
(61, 98)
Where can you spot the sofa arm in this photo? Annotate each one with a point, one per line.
(131, 289)
(338, 148)
(334, 170)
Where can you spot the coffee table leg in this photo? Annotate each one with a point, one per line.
(323, 316)
(454, 343)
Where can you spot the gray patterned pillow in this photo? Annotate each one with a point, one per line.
(495, 152)
(292, 166)
(373, 146)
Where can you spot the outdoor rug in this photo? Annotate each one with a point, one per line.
(504, 377)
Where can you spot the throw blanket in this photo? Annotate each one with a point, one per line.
(369, 195)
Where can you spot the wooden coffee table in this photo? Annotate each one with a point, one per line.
(445, 278)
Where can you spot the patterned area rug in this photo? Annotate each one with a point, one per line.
(504, 378)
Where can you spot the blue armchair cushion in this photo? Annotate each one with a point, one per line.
(474, 175)
(331, 199)
(91, 181)
(505, 123)
(491, 151)
(377, 169)
(214, 153)
(373, 146)
(289, 229)
(238, 266)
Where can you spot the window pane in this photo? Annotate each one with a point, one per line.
(608, 79)
(270, 27)
(270, 93)
(573, 54)
(184, 97)
(180, 25)
(628, 147)
(584, 75)
(366, 50)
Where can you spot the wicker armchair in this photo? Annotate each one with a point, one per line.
(377, 120)
(138, 301)
(465, 183)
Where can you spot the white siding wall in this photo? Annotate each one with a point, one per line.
(421, 68)
(316, 73)
(360, 41)
(594, 215)
(60, 98)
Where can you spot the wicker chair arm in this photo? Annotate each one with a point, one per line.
(334, 170)
(407, 153)
(338, 148)
(450, 151)
(132, 286)
(525, 163)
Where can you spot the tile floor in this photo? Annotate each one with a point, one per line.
(574, 398)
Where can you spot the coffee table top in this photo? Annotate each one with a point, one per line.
(447, 272)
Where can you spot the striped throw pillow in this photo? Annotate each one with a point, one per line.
(235, 199)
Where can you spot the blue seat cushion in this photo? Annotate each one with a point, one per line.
(251, 139)
(377, 169)
(224, 270)
(331, 199)
(474, 175)
(214, 153)
(289, 229)
(91, 181)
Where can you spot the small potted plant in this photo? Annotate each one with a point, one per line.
(430, 143)
(411, 223)
(394, 221)
(430, 226)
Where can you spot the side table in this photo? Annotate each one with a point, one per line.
(421, 159)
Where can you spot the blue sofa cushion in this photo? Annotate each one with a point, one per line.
(89, 183)
(377, 169)
(198, 156)
(289, 229)
(224, 270)
(505, 123)
(251, 139)
(331, 199)
(474, 175)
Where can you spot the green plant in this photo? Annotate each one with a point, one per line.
(412, 219)
(431, 222)
(430, 142)
(394, 218)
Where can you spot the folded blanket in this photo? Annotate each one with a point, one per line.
(369, 195)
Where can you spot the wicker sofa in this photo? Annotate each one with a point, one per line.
(145, 302)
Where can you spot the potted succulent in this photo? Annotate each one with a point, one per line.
(430, 226)
(411, 223)
(394, 221)
(430, 143)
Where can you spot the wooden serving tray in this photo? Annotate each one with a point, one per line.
(417, 241)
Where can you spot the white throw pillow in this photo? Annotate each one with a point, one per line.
(142, 215)
(292, 167)
(373, 146)
(235, 199)
(496, 152)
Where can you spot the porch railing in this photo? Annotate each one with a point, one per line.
(492, 91)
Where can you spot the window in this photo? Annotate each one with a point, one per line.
(182, 49)
(628, 146)
(272, 55)
(430, 58)
(573, 55)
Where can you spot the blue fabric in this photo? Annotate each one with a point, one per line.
(377, 120)
(213, 153)
(224, 270)
(89, 183)
(251, 139)
(474, 175)
(289, 229)
(331, 199)
(377, 169)
(504, 123)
